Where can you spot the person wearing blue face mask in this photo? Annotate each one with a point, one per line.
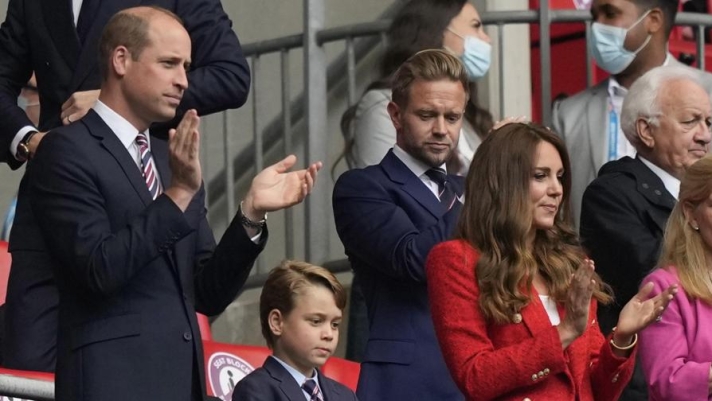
(628, 38)
(608, 46)
(476, 54)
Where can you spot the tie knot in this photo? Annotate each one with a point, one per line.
(141, 139)
(438, 175)
(311, 388)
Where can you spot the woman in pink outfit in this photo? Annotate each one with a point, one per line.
(676, 351)
(513, 298)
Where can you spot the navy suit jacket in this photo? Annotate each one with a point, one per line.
(39, 36)
(272, 382)
(388, 221)
(131, 271)
(625, 211)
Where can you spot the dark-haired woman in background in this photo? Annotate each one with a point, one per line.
(514, 298)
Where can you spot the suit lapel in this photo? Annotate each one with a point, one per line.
(328, 390)
(59, 20)
(116, 149)
(596, 113)
(534, 315)
(410, 183)
(87, 57)
(652, 188)
(288, 385)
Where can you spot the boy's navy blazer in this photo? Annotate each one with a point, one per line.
(272, 382)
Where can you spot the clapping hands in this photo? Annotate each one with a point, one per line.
(578, 302)
(640, 311)
(276, 188)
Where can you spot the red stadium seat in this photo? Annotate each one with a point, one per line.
(4, 270)
(343, 371)
(204, 324)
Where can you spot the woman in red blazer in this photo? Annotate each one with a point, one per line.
(513, 297)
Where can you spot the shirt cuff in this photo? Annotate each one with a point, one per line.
(18, 138)
(257, 237)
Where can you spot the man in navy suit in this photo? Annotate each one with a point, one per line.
(123, 218)
(390, 215)
(61, 43)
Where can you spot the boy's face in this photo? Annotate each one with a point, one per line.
(308, 335)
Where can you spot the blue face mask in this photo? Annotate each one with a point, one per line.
(607, 46)
(477, 55)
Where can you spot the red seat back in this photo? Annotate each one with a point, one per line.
(5, 262)
(343, 371)
(204, 324)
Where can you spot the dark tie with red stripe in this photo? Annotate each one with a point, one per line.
(148, 168)
(313, 390)
(446, 194)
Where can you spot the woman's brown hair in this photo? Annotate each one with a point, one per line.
(497, 218)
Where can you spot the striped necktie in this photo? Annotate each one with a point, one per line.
(446, 194)
(148, 168)
(313, 390)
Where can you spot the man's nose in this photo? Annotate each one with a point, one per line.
(439, 126)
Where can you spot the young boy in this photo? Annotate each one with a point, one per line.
(300, 313)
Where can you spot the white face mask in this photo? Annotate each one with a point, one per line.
(607, 46)
(476, 57)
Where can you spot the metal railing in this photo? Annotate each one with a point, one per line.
(267, 136)
(312, 105)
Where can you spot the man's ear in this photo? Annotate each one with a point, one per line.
(645, 132)
(395, 113)
(276, 321)
(120, 60)
(655, 21)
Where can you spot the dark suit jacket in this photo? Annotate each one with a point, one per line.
(39, 35)
(131, 272)
(623, 219)
(272, 382)
(388, 221)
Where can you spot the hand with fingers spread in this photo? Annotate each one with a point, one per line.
(184, 160)
(276, 188)
(578, 302)
(640, 311)
(78, 105)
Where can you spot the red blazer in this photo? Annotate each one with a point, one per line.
(514, 361)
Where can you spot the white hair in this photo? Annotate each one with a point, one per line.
(642, 98)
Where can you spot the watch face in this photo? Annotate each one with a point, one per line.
(22, 151)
